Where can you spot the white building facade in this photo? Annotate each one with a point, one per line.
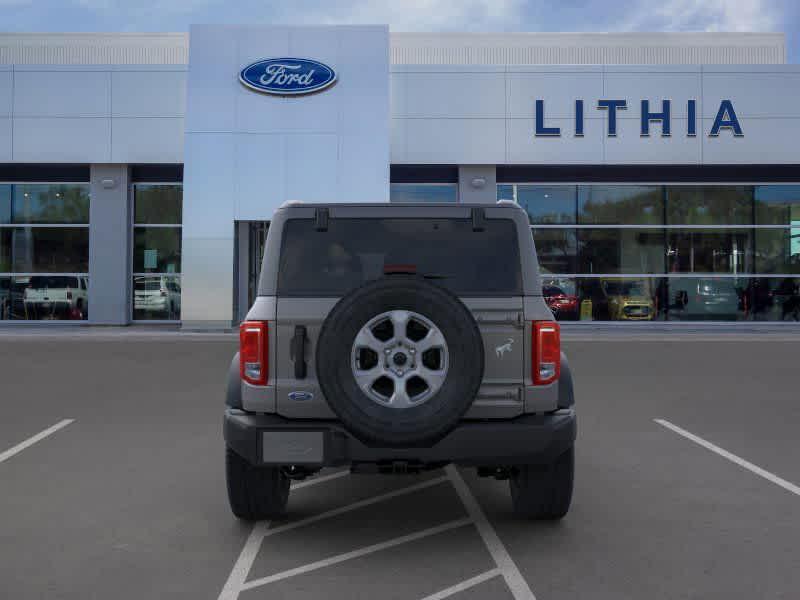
(138, 173)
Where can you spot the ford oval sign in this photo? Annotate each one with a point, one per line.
(287, 76)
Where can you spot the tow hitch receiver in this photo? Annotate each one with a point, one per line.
(394, 467)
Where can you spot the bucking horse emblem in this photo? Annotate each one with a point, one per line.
(502, 349)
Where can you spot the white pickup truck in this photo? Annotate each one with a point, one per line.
(56, 296)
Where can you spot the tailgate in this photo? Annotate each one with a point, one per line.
(300, 398)
(46, 295)
(502, 328)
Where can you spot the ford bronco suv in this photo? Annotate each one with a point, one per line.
(399, 338)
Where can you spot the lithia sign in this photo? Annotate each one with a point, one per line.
(726, 119)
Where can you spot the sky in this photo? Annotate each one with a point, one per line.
(414, 15)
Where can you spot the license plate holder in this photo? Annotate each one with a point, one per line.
(292, 447)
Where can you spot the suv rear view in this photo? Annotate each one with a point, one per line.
(395, 338)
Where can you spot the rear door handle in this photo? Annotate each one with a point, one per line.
(299, 351)
(507, 319)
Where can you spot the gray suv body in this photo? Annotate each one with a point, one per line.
(398, 338)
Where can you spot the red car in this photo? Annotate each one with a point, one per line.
(563, 305)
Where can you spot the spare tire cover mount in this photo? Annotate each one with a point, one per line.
(399, 360)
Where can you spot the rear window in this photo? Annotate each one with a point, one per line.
(41, 282)
(147, 285)
(354, 251)
(625, 288)
(711, 287)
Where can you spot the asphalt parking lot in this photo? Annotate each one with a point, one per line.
(112, 484)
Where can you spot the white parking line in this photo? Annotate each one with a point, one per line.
(4, 456)
(355, 505)
(514, 580)
(241, 569)
(788, 486)
(247, 556)
(411, 537)
(464, 585)
(237, 580)
(320, 479)
(244, 563)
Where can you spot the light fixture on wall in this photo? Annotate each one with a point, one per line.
(478, 182)
(109, 183)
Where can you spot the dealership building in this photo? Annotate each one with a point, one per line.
(139, 172)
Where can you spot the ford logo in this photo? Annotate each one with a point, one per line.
(287, 76)
(300, 396)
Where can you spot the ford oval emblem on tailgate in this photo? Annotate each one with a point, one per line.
(287, 76)
(301, 396)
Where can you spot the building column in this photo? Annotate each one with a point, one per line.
(477, 184)
(208, 289)
(207, 286)
(109, 245)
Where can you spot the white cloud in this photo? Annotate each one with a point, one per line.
(705, 15)
(437, 15)
(401, 15)
(413, 15)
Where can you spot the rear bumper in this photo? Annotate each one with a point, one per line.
(49, 303)
(273, 440)
(636, 312)
(624, 317)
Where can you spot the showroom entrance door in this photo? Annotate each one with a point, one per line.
(258, 236)
(251, 236)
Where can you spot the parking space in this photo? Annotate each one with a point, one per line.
(128, 499)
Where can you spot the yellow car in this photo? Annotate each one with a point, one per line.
(628, 299)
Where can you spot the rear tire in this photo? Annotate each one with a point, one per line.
(544, 492)
(255, 493)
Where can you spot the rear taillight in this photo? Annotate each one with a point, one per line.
(253, 352)
(546, 352)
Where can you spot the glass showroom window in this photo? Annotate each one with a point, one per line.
(157, 251)
(709, 205)
(778, 205)
(545, 205)
(708, 298)
(44, 251)
(423, 192)
(621, 204)
(618, 251)
(678, 252)
(773, 299)
(710, 251)
(556, 250)
(777, 212)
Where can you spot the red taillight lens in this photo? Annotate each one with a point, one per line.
(253, 352)
(546, 352)
(400, 269)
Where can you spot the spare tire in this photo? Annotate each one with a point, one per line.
(400, 361)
